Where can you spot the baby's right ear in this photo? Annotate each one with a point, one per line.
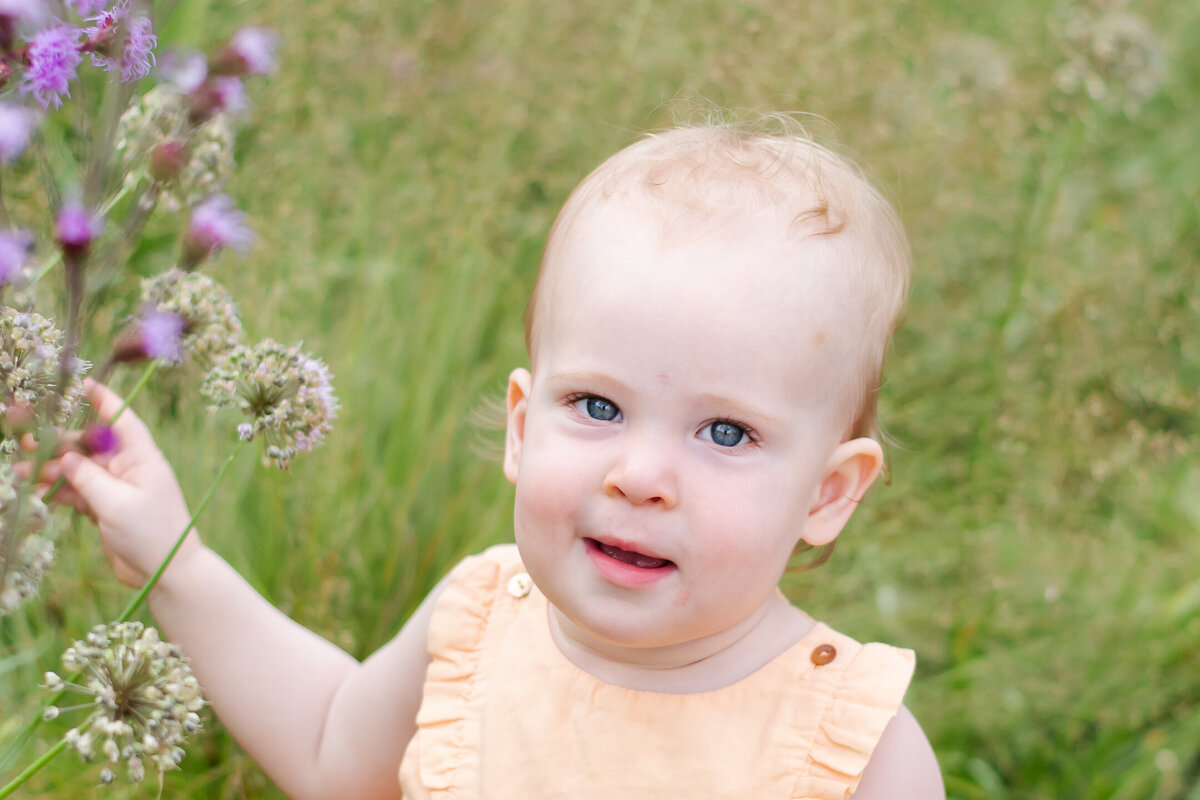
(519, 382)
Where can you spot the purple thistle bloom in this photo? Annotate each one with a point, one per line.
(53, 58)
(229, 93)
(16, 126)
(77, 227)
(14, 252)
(255, 48)
(215, 224)
(186, 70)
(86, 8)
(17, 11)
(98, 440)
(161, 335)
(121, 42)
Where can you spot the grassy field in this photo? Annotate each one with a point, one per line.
(1037, 545)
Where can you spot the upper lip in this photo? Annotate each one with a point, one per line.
(632, 547)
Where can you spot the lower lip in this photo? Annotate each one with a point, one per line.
(622, 574)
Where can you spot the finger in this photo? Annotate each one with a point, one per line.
(130, 429)
(94, 485)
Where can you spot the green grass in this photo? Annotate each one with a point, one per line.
(1037, 546)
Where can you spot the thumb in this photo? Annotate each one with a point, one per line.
(98, 488)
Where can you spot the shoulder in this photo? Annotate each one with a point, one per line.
(902, 766)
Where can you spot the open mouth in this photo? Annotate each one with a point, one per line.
(630, 557)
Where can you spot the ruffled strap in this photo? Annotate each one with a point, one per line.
(448, 729)
(865, 692)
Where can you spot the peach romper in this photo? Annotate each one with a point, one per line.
(505, 716)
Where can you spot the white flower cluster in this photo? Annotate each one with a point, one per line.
(31, 555)
(287, 394)
(30, 349)
(160, 117)
(145, 700)
(1113, 56)
(212, 327)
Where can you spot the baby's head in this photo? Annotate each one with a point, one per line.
(724, 181)
(706, 338)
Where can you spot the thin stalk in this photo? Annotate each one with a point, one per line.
(141, 596)
(33, 768)
(129, 611)
(151, 368)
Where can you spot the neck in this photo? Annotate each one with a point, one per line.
(699, 665)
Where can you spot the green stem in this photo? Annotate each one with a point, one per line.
(141, 596)
(129, 611)
(137, 387)
(33, 768)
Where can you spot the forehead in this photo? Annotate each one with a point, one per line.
(751, 296)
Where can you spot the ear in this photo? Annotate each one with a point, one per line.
(519, 382)
(850, 471)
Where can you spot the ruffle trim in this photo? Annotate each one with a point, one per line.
(448, 734)
(866, 696)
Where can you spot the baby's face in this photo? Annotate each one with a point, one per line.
(673, 435)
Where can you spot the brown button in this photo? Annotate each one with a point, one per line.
(823, 654)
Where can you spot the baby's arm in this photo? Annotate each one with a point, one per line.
(318, 722)
(902, 766)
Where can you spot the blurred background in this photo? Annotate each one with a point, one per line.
(1037, 545)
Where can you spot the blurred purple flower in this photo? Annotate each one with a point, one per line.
(161, 335)
(98, 440)
(86, 8)
(255, 48)
(216, 224)
(187, 70)
(77, 227)
(18, 11)
(229, 93)
(16, 126)
(14, 252)
(53, 57)
(122, 42)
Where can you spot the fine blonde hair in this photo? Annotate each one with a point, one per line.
(730, 174)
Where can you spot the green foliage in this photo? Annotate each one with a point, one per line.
(1037, 546)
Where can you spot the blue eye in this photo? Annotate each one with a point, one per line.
(726, 434)
(599, 408)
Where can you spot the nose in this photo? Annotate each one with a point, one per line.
(644, 472)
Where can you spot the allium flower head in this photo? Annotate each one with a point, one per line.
(1113, 56)
(160, 117)
(211, 326)
(54, 58)
(122, 41)
(30, 347)
(33, 553)
(16, 126)
(14, 252)
(255, 49)
(287, 395)
(216, 224)
(144, 698)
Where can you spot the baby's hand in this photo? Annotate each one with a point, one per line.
(131, 494)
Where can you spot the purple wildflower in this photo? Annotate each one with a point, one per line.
(16, 126)
(187, 70)
(229, 93)
(255, 48)
(161, 335)
(86, 8)
(120, 41)
(53, 57)
(14, 12)
(98, 440)
(216, 224)
(14, 252)
(77, 227)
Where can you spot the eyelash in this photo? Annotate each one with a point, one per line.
(752, 437)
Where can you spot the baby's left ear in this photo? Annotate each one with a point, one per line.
(850, 471)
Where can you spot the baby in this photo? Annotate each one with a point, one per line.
(705, 342)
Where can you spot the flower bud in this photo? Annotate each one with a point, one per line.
(76, 229)
(167, 160)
